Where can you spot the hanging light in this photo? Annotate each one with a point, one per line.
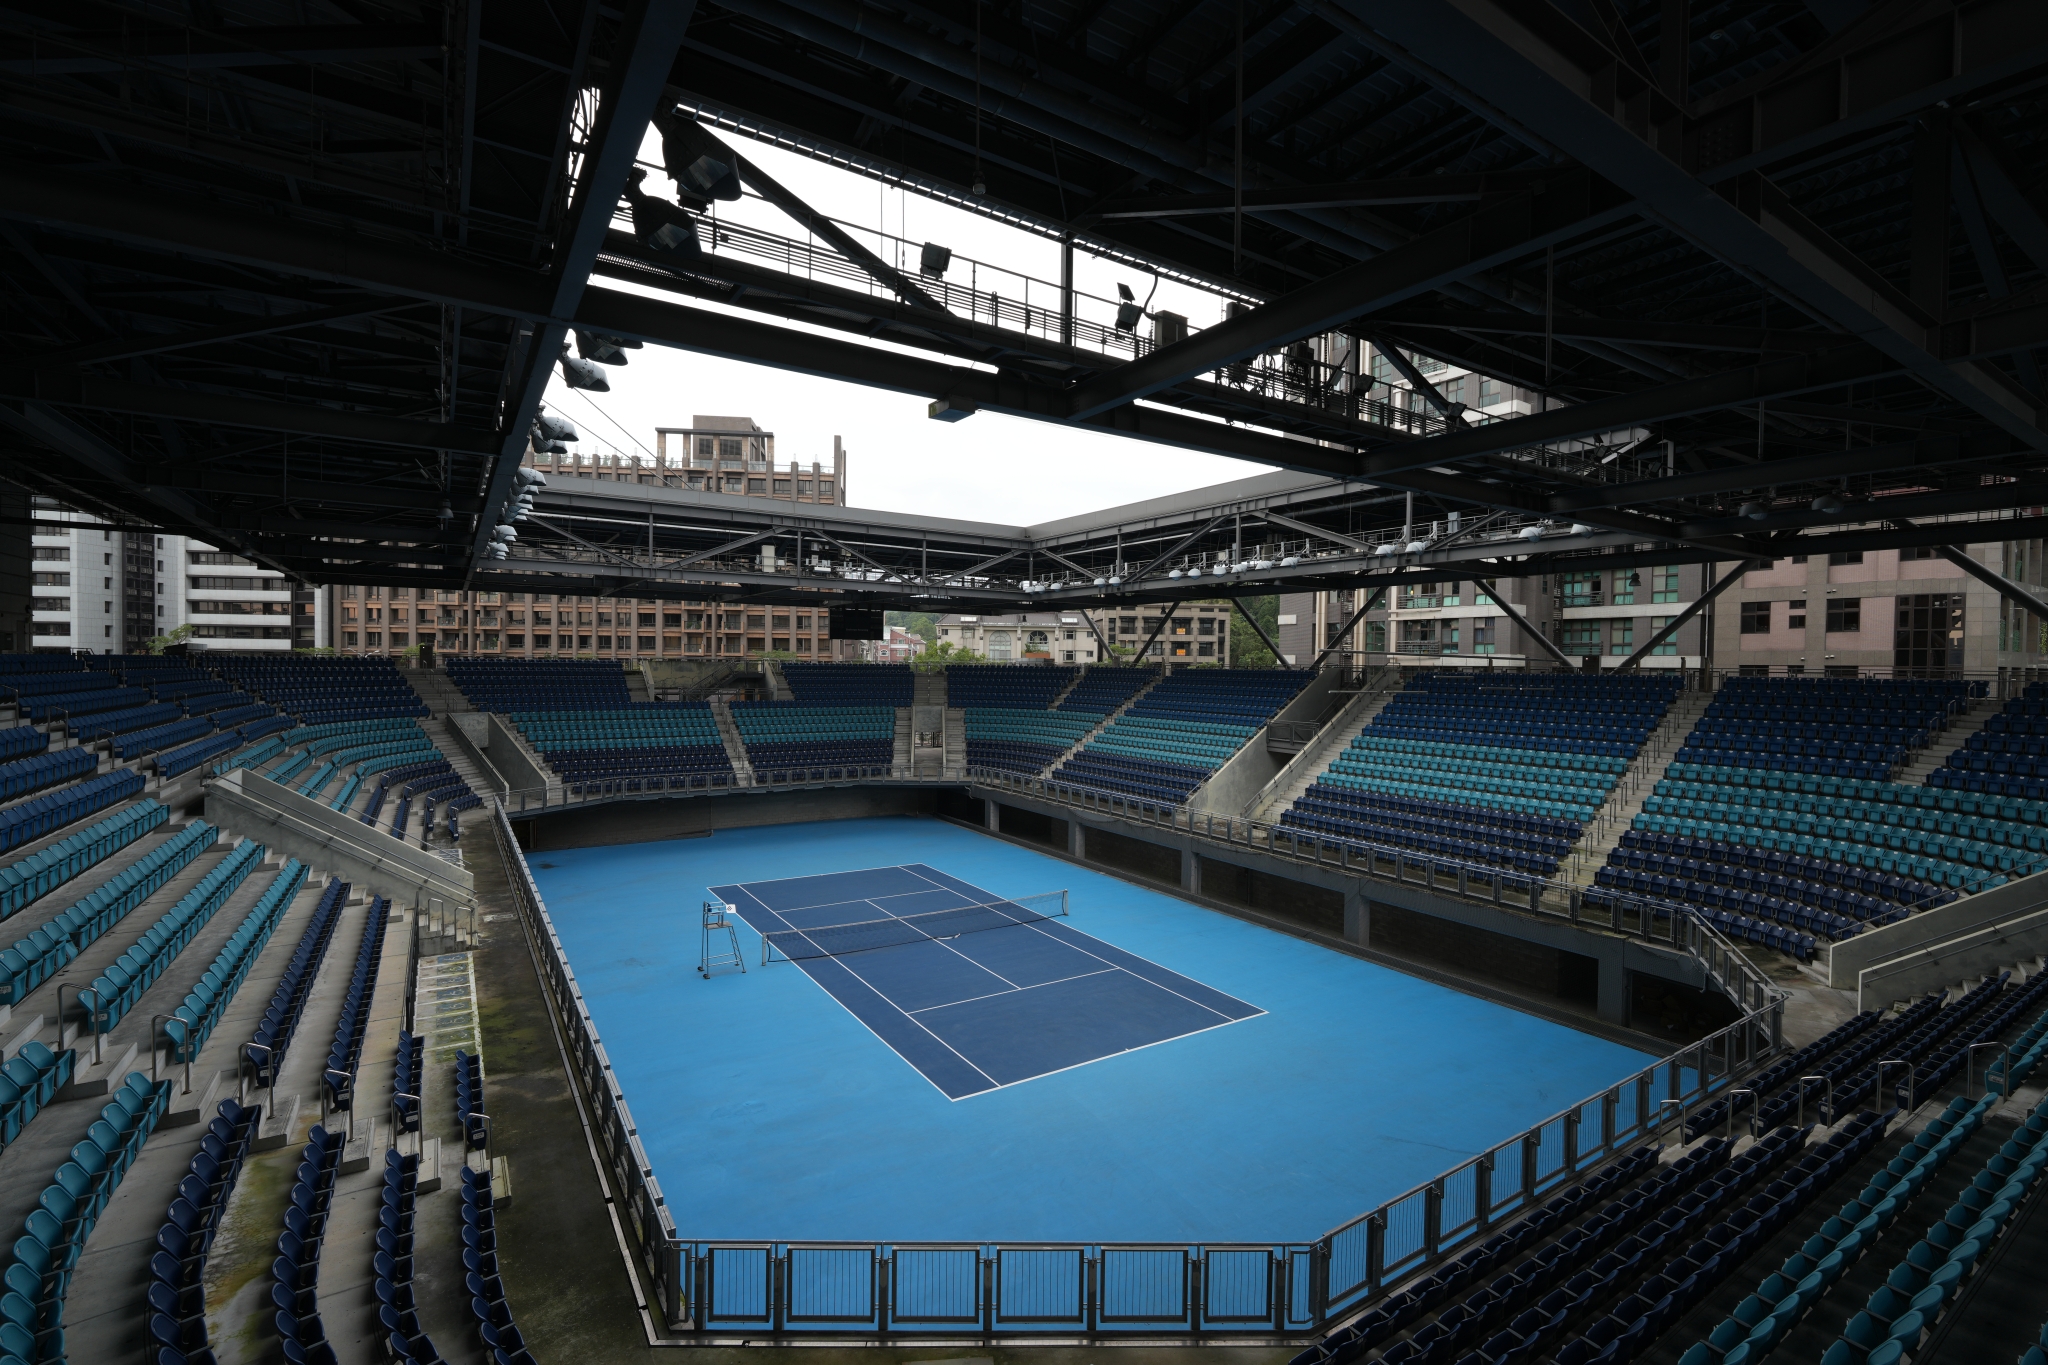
(1530, 533)
(1754, 511)
(1827, 504)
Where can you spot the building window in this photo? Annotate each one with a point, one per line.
(1845, 614)
(1928, 637)
(1625, 584)
(1482, 635)
(55, 553)
(1846, 557)
(1670, 646)
(1582, 637)
(54, 628)
(543, 641)
(1797, 619)
(1664, 585)
(803, 646)
(1207, 649)
(1621, 636)
(348, 637)
(400, 638)
(1919, 552)
(1581, 588)
(49, 604)
(1756, 618)
(647, 642)
(374, 638)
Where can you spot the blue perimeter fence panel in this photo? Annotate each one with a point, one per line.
(1291, 1290)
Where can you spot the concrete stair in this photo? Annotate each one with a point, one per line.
(778, 686)
(1960, 728)
(1305, 767)
(636, 686)
(1104, 723)
(899, 756)
(1637, 785)
(437, 691)
(735, 747)
(928, 717)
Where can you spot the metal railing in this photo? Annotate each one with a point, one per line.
(1104, 1290)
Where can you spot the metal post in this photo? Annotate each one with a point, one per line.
(1970, 1067)
(1670, 628)
(1662, 1105)
(1730, 1133)
(1898, 1061)
(1827, 1081)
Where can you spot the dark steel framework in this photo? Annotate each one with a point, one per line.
(293, 278)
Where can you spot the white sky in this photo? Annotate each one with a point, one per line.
(987, 467)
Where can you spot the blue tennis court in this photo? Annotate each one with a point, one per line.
(769, 1111)
(975, 990)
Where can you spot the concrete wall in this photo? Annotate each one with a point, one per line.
(1253, 766)
(284, 822)
(1848, 959)
(509, 755)
(631, 822)
(1979, 952)
(471, 731)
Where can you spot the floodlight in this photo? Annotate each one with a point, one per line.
(1115, 580)
(582, 374)
(702, 166)
(1827, 504)
(1290, 561)
(1390, 548)
(605, 349)
(1102, 582)
(555, 428)
(659, 225)
(1174, 574)
(503, 532)
(1416, 547)
(933, 259)
(1579, 528)
(1262, 564)
(1755, 511)
(1531, 533)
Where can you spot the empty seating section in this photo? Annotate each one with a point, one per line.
(45, 814)
(135, 743)
(407, 1073)
(392, 1261)
(2008, 757)
(1104, 688)
(508, 685)
(493, 1316)
(114, 991)
(345, 1054)
(171, 762)
(1927, 1280)
(1007, 721)
(1170, 740)
(1500, 771)
(797, 737)
(295, 1273)
(92, 729)
(325, 689)
(638, 748)
(888, 685)
(1601, 1268)
(192, 1023)
(32, 958)
(55, 864)
(46, 1254)
(1860, 728)
(21, 740)
(470, 1114)
(1534, 844)
(267, 1046)
(1777, 819)
(31, 1077)
(177, 1268)
(25, 776)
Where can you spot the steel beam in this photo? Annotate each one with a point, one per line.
(1495, 235)
(1670, 628)
(161, 50)
(1419, 189)
(1279, 659)
(1985, 574)
(1513, 614)
(1344, 634)
(1930, 453)
(1553, 80)
(776, 193)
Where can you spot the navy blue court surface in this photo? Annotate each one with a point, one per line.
(770, 1111)
(981, 996)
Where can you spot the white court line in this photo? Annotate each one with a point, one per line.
(742, 887)
(1014, 990)
(851, 872)
(1118, 966)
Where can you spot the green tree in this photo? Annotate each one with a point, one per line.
(159, 643)
(1247, 650)
(936, 657)
(919, 623)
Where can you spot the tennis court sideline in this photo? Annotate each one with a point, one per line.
(1003, 993)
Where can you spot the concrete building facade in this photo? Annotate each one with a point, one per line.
(1195, 633)
(730, 455)
(1885, 613)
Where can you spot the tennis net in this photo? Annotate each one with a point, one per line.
(860, 936)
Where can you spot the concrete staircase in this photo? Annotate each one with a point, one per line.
(441, 730)
(636, 686)
(1068, 690)
(1960, 728)
(955, 740)
(1637, 785)
(735, 748)
(1305, 767)
(1104, 723)
(899, 757)
(928, 717)
(778, 686)
(437, 691)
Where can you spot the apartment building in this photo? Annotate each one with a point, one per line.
(731, 455)
(1598, 614)
(1196, 633)
(1903, 613)
(112, 591)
